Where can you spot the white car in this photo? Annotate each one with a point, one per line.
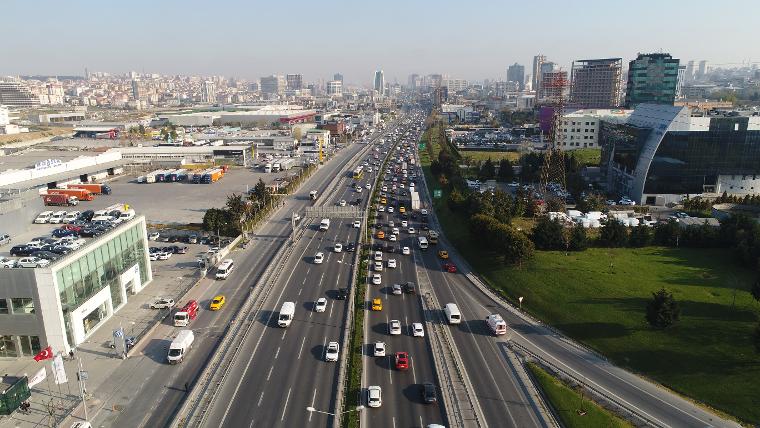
(376, 279)
(57, 217)
(417, 330)
(385, 188)
(397, 289)
(43, 217)
(320, 305)
(164, 255)
(153, 257)
(391, 263)
(378, 256)
(32, 262)
(357, 224)
(319, 258)
(5, 262)
(162, 303)
(391, 223)
(379, 349)
(381, 208)
(404, 223)
(395, 231)
(374, 396)
(71, 216)
(368, 186)
(392, 238)
(394, 327)
(342, 202)
(333, 350)
(378, 266)
(411, 231)
(358, 190)
(390, 209)
(153, 236)
(338, 248)
(424, 212)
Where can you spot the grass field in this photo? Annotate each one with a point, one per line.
(495, 156)
(599, 297)
(590, 157)
(566, 402)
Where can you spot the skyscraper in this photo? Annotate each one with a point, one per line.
(538, 60)
(338, 76)
(516, 73)
(681, 80)
(379, 82)
(335, 87)
(596, 82)
(652, 79)
(136, 89)
(702, 70)
(556, 90)
(208, 95)
(689, 73)
(273, 85)
(294, 81)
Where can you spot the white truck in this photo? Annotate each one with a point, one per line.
(287, 312)
(324, 224)
(286, 164)
(497, 324)
(415, 197)
(180, 346)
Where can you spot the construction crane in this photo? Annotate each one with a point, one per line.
(553, 168)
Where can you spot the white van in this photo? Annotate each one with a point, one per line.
(127, 214)
(324, 224)
(497, 324)
(43, 217)
(452, 313)
(57, 217)
(179, 346)
(225, 269)
(287, 311)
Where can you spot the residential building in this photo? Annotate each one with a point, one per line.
(294, 81)
(538, 60)
(652, 79)
(596, 82)
(208, 95)
(273, 86)
(454, 85)
(660, 154)
(137, 92)
(414, 81)
(15, 93)
(379, 83)
(516, 73)
(580, 128)
(335, 88)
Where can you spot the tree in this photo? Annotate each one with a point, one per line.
(641, 236)
(503, 206)
(663, 310)
(456, 199)
(592, 202)
(548, 234)
(514, 245)
(554, 204)
(505, 170)
(487, 170)
(578, 238)
(613, 234)
(756, 290)
(667, 234)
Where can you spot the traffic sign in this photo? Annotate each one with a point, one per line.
(422, 146)
(437, 193)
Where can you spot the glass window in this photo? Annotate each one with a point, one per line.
(3, 306)
(8, 347)
(22, 306)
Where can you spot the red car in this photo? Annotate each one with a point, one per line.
(450, 267)
(402, 361)
(73, 227)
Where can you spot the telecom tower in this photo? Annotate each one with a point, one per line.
(553, 169)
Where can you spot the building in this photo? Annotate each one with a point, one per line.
(652, 79)
(702, 70)
(689, 73)
(458, 112)
(209, 92)
(273, 86)
(553, 85)
(454, 85)
(379, 83)
(538, 60)
(137, 92)
(14, 93)
(294, 82)
(63, 304)
(516, 73)
(335, 88)
(660, 154)
(338, 76)
(595, 83)
(580, 128)
(680, 81)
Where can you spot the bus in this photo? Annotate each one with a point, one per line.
(358, 172)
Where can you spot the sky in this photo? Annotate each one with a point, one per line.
(470, 39)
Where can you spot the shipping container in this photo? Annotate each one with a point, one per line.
(96, 188)
(81, 194)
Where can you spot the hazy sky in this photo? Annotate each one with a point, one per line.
(469, 39)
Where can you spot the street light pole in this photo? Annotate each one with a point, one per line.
(312, 409)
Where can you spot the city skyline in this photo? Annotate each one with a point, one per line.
(187, 46)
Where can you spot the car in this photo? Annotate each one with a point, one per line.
(381, 208)
(332, 352)
(394, 327)
(376, 279)
(6, 263)
(385, 188)
(358, 190)
(217, 302)
(378, 256)
(350, 247)
(71, 216)
(357, 224)
(59, 233)
(378, 267)
(428, 393)
(405, 251)
(164, 255)
(391, 263)
(391, 224)
(342, 203)
(402, 361)
(374, 396)
(390, 209)
(43, 217)
(380, 234)
(377, 304)
(450, 267)
(342, 294)
(338, 247)
(153, 257)
(424, 212)
(74, 227)
(162, 303)
(319, 258)
(320, 305)
(57, 249)
(32, 262)
(47, 255)
(57, 217)
(443, 254)
(404, 223)
(379, 349)
(402, 209)
(368, 186)
(396, 289)
(411, 231)
(626, 201)
(22, 250)
(417, 330)
(153, 236)
(393, 238)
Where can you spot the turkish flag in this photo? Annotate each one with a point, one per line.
(45, 354)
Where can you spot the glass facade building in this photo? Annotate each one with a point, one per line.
(652, 79)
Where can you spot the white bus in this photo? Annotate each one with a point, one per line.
(452, 313)
(422, 242)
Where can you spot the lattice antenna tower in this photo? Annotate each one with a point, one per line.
(553, 168)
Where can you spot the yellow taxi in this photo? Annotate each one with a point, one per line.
(380, 234)
(383, 201)
(217, 303)
(401, 209)
(443, 254)
(377, 304)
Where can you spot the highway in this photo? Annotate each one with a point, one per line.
(156, 388)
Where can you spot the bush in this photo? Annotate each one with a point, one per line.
(641, 236)
(578, 238)
(667, 234)
(548, 234)
(613, 234)
(663, 310)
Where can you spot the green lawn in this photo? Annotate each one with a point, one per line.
(567, 402)
(590, 157)
(495, 156)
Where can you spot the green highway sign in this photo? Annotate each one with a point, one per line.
(437, 193)
(422, 146)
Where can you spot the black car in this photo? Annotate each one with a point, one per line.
(176, 249)
(410, 288)
(59, 249)
(47, 255)
(90, 232)
(60, 233)
(342, 294)
(350, 247)
(377, 247)
(23, 250)
(427, 391)
(390, 249)
(86, 216)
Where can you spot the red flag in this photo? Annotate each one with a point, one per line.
(45, 354)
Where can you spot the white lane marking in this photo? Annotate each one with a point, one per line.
(421, 424)
(393, 418)
(282, 418)
(284, 331)
(414, 373)
(324, 348)
(312, 402)
(261, 397)
(301, 350)
(276, 354)
(331, 308)
(390, 372)
(300, 290)
(270, 373)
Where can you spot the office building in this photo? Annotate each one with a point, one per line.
(15, 93)
(273, 86)
(335, 88)
(595, 83)
(553, 86)
(379, 83)
(702, 70)
(538, 60)
(680, 81)
(63, 304)
(208, 95)
(660, 154)
(454, 85)
(689, 73)
(580, 128)
(516, 73)
(415, 81)
(338, 76)
(294, 82)
(652, 79)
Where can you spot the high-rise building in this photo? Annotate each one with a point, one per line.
(557, 89)
(294, 81)
(689, 73)
(208, 95)
(338, 76)
(414, 81)
(537, 61)
(273, 85)
(596, 82)
(379, 84)
(652, 79)
(137, 91)
(516, 73)
(681, 80)
(702, 70)
(335, 87)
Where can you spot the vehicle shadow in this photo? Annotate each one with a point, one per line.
(157, 350)
(268, 318)
(380, 328)
(318, 352)
(474, 326)
(412, 393)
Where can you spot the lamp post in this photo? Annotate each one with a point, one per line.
(520, 299)
(312, 409)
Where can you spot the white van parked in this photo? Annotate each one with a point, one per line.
(452, 313)
(287, 311)
(225, 269)
(43, 217)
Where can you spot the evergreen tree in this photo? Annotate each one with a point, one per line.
(613, 234)
(505, 170)
(548, 234)
(578, 238)
(663, 310)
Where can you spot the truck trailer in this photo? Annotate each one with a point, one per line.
(61, 200)
(81, 194)
(96, 188)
